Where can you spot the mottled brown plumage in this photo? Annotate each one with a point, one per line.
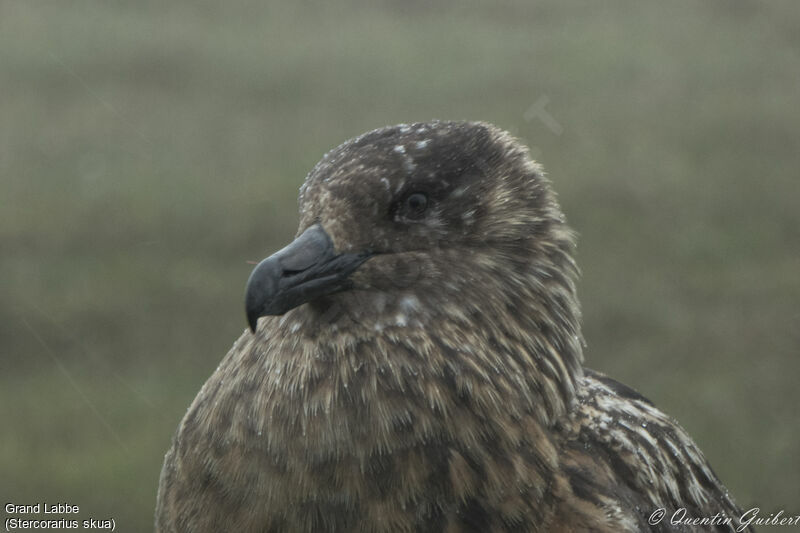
(420, 367)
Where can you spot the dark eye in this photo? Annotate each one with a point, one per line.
(415, 205)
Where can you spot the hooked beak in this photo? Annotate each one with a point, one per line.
(304, 270)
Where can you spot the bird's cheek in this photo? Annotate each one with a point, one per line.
(390, 272)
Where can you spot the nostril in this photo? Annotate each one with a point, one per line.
(306, 251)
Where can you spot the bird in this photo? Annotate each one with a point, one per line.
(414, 362)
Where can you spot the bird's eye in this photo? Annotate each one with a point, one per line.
(415, 205)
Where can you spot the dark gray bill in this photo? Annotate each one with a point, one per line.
(306, 269)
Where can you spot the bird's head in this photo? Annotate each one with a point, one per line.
(411, 221)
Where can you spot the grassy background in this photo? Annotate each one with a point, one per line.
(148, 150)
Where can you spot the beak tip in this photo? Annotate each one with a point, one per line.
(252, 321)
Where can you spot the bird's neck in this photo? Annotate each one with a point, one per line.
(341, 411)
(470, 363)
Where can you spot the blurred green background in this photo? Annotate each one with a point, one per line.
(149, 150)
